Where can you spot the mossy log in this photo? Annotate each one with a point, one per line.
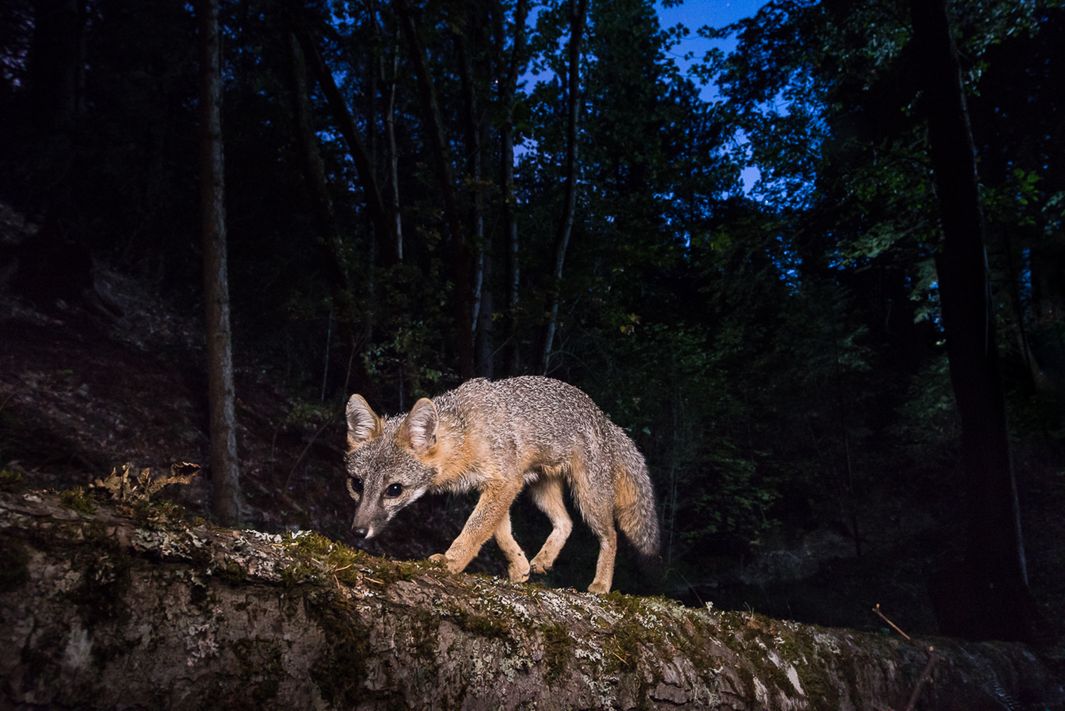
(105, 605)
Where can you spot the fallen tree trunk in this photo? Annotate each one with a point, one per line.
(105, 605)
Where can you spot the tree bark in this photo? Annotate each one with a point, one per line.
(461, 260)
(225, 470)
(987, 596)
(578, 13)
(108, 605)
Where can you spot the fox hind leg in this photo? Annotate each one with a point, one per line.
(595, 496)
(517, 565)
(547, 495)
(604, 567)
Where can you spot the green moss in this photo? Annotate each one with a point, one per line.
(481, 625)
(558, 649)
(160, 514)
(391, 571)
(315, 557)
(425, 625)
(231, 571)
(299, 573)
(9, 479)
(628, 634)
(624, 645)
(14, 565)
(77, 499)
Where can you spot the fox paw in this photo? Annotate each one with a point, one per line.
(539, 566)
(519, 572)
(452, 566)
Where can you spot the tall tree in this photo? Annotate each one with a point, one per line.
(995, 600)
(345, 124)
(315, 174)
(515, 63)
(440, 153)
(578, 11)
(391, 80)
(56, 62)
(469, 41)
(225, 469)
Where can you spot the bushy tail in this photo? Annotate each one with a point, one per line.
(634, 501)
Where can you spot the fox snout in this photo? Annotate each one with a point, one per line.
(369, 520)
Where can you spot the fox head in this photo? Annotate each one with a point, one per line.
(386, 461)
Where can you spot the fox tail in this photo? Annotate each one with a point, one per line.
(634, 500)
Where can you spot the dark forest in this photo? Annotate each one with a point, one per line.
(811, 261)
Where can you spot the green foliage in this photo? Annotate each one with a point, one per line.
(9, 479)
(77, 499)
(736, 504)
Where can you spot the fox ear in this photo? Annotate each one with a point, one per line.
(421, 425)
(363, 422)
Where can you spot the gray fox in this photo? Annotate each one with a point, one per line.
(499, 437)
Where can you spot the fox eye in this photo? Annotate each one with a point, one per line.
(355, 484)
(394, 490)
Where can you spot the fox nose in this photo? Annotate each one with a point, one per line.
(359, 532)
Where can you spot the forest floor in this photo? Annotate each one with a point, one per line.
(83, 392)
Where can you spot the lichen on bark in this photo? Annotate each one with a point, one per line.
(135, 605)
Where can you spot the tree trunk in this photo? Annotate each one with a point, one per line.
(377, 237)
(986, 596)
(133, 606)
(392, 156)
(225, 471)
(333, 262)
(467, 42)
(346, 125)
(578, 13)
(461, 261)
(485, 321)
(55, 63)
(1047, 264)
(510, 219)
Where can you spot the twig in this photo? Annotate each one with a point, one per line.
(691, 588)
(926, 674)
(881, 615)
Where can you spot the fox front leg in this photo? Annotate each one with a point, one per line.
(517, 563)
(486, 518)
